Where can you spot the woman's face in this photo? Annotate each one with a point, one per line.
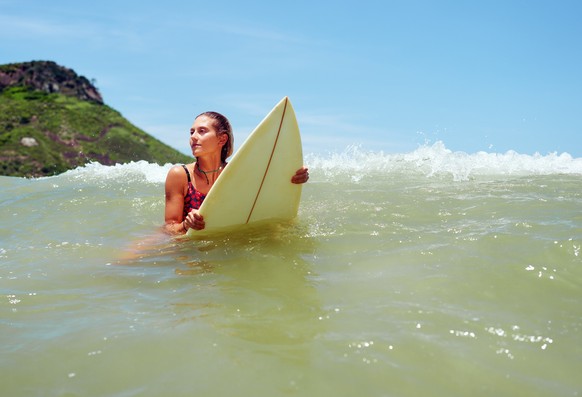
(204, 139)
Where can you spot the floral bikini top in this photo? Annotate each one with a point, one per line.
(193, 199)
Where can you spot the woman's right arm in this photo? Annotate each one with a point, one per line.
(175, 190)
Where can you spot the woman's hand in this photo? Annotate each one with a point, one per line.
(301, 175)
(194, 221)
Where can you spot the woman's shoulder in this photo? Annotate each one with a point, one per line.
(177, 172)
(177, 168)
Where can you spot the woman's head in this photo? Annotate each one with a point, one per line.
(222, 126)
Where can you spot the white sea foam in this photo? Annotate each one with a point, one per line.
(436, 159)
(135, 170)
(429, 160)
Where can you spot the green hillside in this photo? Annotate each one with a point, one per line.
(46, 132)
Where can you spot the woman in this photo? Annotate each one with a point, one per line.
(187, 185)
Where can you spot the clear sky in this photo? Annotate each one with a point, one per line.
(387, 75)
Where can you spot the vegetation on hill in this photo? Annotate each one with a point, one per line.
(48, 131)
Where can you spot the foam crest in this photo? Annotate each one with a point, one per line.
(355, 163)
(133, 171)
(436, 160)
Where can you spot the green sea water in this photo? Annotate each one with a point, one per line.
(430, 273)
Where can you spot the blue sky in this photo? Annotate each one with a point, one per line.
(387, 75)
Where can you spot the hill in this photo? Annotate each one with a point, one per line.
(53, 120)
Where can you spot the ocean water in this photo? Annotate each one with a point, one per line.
(430, 273)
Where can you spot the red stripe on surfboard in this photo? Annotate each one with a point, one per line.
(269, 163)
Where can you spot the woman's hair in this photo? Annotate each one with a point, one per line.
(222, 126)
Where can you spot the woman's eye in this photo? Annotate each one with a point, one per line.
(200, 131)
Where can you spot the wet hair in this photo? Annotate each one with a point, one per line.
(222, 126)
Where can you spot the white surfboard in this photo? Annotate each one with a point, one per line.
(256, 184)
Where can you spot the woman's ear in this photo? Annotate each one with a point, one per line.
(222, 139)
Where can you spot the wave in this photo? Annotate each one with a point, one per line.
(138, 171)
(429, 160)
(436, 160)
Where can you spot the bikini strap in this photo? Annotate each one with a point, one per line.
(187, 173)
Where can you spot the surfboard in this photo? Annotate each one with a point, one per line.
(256, 184)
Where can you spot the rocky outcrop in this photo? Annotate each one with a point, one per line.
(49, 77)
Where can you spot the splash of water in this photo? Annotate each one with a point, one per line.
(437, 160)
(430, 160)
